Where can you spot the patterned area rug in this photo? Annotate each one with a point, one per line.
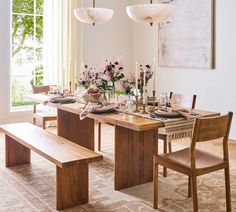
(32, 187)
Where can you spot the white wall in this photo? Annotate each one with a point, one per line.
(216, 88)
(110, 40)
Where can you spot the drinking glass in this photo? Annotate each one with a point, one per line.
(163, 99)
(122, 102)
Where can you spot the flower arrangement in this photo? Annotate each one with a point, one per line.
(127, 85)
(114, 72)
(86, 78)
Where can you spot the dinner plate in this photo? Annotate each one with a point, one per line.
(166, 114)
(104, 109)
(63, 100)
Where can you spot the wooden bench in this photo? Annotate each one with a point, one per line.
(71, 160)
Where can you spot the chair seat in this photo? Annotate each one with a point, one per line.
(181, 157)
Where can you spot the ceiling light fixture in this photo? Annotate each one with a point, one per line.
(93, 15)
(149, 13)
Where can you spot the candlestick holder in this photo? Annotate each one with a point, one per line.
(144, 109)
(70, 83)
(136, 104)
(76, 86)
(154, 98)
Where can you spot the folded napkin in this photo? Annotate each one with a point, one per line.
(183, 112)
(88, 108)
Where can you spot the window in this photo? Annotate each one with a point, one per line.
(27, 49)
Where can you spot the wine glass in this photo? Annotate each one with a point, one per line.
(122, 102)
(163, 100)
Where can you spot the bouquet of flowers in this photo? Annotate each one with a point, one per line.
(114, 72)
(86, 78)
(127, 85)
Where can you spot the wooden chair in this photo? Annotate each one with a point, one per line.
(42, 117)
(193, 162)
(187, 101)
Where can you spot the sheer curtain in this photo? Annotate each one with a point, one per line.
(62, 42)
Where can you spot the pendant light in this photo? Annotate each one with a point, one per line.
(93, 15)
(149, 13)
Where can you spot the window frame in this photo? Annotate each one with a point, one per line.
(35, 47)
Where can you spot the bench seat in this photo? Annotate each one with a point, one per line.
(71, 159)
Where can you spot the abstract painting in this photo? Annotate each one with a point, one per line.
(186, 39)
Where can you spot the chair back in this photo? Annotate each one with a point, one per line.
(211, 128)
(41, 89)
(184, 100)
(206, 129)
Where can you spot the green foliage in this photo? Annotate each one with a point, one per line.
(23, 25)
(18, 93)
(38, 76)
(23, 33)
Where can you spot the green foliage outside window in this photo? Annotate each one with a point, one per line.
(38, 76)
(24, 39)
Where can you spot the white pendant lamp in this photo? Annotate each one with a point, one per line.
(149, 13)
(93, 15)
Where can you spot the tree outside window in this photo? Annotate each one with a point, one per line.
(27, 48)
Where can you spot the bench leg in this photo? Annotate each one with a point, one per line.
(72, 186)
(16, 153)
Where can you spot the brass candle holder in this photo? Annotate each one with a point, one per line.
(70, 84)
(76, 86)
(144, 109)
(154, 98)
(136, 104)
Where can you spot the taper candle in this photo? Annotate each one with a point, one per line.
(154, 75)
(136, 79)
(144, 87)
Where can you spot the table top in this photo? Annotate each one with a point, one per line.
(124, 120)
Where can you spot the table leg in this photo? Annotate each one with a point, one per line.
(133, 157)
(16, 153)
(71, 186)
(70, 126)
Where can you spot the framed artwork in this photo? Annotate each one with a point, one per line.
(186, 39)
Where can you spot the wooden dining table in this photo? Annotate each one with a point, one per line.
(135, 138)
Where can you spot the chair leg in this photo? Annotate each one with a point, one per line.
(99, 136)
(34, 121)
(170, 147)
(44, 124)
(189, 186)
(155, 183)
(227, 190)
(194, 193)
(164, 151)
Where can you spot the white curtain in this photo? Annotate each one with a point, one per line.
(62, 42)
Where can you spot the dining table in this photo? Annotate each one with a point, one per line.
(135, 138)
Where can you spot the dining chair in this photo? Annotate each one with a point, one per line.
(181, 100)
(194, 162)
(42, 117)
